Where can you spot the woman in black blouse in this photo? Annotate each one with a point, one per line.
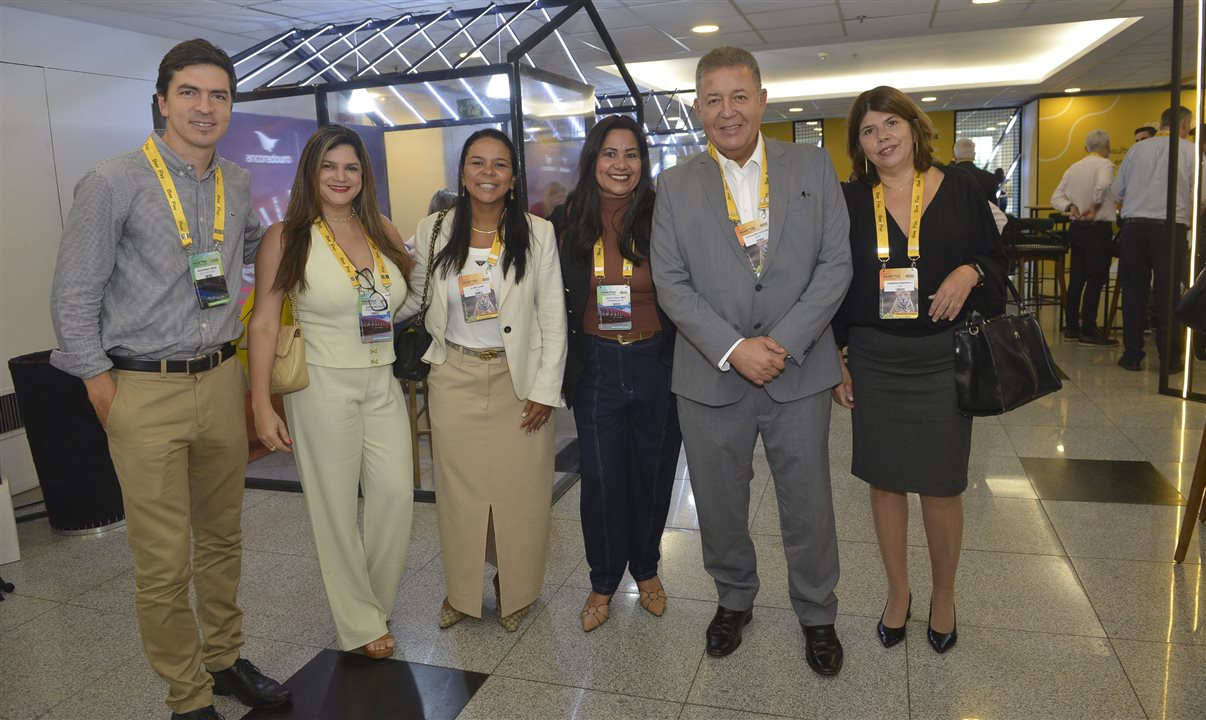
(922, 238)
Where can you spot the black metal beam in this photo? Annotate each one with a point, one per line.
(1170, 213)
(615, 56)
(440, 46)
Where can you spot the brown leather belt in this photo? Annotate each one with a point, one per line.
(191, 366)
(628, 338)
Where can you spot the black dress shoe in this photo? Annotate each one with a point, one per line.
(822, 649)
(724, 632)
(249, 686)
(206, 713)
(889, 636)
(941, 642)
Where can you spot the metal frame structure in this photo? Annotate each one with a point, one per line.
(339, 58)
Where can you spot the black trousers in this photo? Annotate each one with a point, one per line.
(1144, 258)
(1090, 242)
(629, 440)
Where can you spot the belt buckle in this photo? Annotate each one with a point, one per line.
(189, 368)
(487, 355)
(620, 338)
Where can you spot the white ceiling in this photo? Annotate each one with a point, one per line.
(789, 36)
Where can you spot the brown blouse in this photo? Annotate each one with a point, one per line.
(644, 310)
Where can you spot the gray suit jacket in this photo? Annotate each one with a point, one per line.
(706, 286)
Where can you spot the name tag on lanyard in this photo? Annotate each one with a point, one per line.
(478, 299)
(614, 301)
(899, 295)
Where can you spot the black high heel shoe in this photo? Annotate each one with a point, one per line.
(941, 642)
(889, 636)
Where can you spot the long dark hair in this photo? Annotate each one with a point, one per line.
(305, 206)
(516, 233)
(583, 214)
(886, 99)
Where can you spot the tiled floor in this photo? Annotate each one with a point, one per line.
(1069, 603)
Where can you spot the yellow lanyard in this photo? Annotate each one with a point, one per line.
(173, 198)
(347, 265)
(763, 185)
(495, 250)
(881, 220)
(601, 263)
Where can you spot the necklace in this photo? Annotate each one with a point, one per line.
(483, 232)
(349, 218)
(906, 187)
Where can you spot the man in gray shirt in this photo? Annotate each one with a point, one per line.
(143, 307)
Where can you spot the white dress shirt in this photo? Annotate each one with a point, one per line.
(745, 182)
(1142, 181)
(1086, 184)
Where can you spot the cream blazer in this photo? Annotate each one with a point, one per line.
(531, 314)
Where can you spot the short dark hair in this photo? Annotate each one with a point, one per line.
(1145, 129)
(193, 52)
(886, 99)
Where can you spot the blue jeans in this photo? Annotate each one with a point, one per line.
(629, 440)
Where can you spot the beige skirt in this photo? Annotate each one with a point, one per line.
(487, 467)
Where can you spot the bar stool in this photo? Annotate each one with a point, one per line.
(414, 388)
(1029, 242)
(1195, 509)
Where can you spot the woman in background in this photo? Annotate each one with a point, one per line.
(345, 269)
(913, 281)
(497, 323)
(617, 373)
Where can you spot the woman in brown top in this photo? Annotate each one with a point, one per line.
(617, 372)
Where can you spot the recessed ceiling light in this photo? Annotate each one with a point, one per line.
(1072, 90)
(984, 2)
(464, 54)
(928, 98)
(795, 109)
(990, 128)
(811, 122)
(705, 28)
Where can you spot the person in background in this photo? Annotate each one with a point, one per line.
(554, 195)
(617, 370)
(750, 256)
(344, 267)
(142, 309)
(442, 199)
(965, 157)
(1144, 132)
(1146, 251)
(922, 240)
(497, 356)
(1084, 195)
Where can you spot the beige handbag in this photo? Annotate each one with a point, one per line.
(289, 366)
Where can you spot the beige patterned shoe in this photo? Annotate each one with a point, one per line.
(594, 615)
(450, 616)
(511, 622)
(653, 600)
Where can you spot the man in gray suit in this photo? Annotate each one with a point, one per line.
(751, 257)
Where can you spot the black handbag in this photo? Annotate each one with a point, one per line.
(1002, 363)
(411, 338)
(1191, 310)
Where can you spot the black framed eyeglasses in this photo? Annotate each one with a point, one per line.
(376, 301)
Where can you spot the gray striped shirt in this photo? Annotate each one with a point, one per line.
(122, 284)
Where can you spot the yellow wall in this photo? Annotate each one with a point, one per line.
(416, 170)
(780, 131)
(1064, 122)
(835, 140)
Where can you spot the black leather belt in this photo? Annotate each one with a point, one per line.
(191, 366)
(1153, 221)
(1093, 222)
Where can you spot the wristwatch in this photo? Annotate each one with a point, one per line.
(979, 271)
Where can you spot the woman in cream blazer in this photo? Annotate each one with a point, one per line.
(497, 321)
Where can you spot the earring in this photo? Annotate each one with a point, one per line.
(866, 168)
(507, 199)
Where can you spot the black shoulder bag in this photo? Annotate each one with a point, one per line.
(1002, 363)
(411, 338)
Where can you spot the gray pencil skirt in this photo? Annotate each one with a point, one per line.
(908, 434)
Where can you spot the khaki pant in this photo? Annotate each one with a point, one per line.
(179, 444)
